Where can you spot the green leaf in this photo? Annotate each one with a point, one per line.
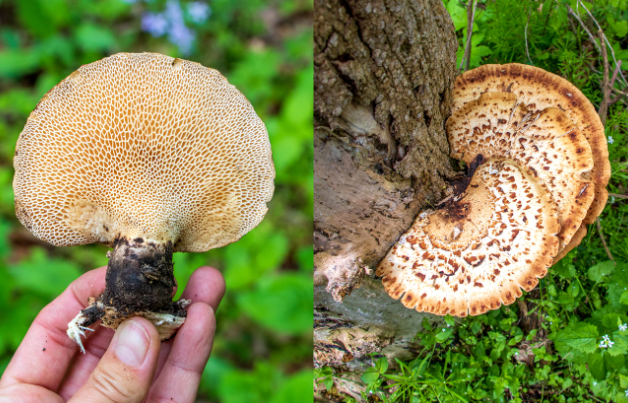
(300, 102)
(93, 38)
(382, 365)
(476, 326)
(624, 298)
(370, 375)
(620, 27)
(256, 254)
(16, 63)
(293, 389)
(328, 382)
(443, 335)
(33, 16)
(250, 386)
(620, 346)
(580, 336)
(282, 303)
(458, 14)
(597, 272)
(450, 320)
(565, 269)
(44, 275)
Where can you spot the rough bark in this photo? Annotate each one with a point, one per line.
(384, 74)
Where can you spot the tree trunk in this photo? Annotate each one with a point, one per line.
(384, 74)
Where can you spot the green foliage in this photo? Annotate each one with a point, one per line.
(262, 351)
(571, 342)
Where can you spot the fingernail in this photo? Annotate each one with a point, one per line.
(132, 344)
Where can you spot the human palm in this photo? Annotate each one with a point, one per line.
(126, 367)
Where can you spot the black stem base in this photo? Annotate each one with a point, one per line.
(139, 280)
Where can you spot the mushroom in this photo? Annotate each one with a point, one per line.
(539, 89)
(538, 168)
(149, 155)
(475, 253)
(546, 143)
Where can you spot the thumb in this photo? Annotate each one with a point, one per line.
(125, 372)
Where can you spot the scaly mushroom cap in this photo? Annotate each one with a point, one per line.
(547, 144)
(143, 145)
(478, 250)
(538, 89)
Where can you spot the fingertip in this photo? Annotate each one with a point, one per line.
(90, 284)
(202, 317)
(207, 285)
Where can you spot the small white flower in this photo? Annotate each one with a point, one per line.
(626, 392)
(444, 329)
(594, 383)
(623, 327)
(610, 140)
(606, 342)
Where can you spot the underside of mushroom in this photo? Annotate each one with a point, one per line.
(149, 155)
(537, 170)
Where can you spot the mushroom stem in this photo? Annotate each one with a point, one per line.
(139, 282)
(139, 278)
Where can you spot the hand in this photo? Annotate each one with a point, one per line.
(126, 367)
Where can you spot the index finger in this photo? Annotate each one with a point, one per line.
(45, 353)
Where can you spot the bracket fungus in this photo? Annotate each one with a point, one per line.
(538, 168)
(149, 155)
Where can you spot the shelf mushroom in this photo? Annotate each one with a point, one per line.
(538, 170)
(538, 89)
(546, 143)
(150, 155)
(477, 251)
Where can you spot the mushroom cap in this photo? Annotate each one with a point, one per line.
(538, 89)
(546, 143)
(147, 146)
(480, 249)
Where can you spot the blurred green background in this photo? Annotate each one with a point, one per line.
(263, 347)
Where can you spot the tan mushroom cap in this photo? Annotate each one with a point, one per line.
(143, 145)
(479, 250)
(538, 89)
(547, 144)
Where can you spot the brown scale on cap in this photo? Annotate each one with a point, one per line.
(546, 143)
(479, 250)
(538, 89)
(150, 155)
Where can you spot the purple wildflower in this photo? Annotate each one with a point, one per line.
(199, 12)
(154, 24)
(173, 11)
(170, 22)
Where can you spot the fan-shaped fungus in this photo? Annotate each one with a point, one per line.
(479, 249)
(546, 143)
(543, 169)
(150, 155)
(538, 89)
